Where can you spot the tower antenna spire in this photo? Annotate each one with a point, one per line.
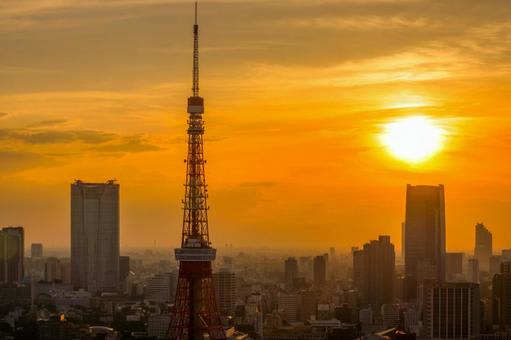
(195, 88)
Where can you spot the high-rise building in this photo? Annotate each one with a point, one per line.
(52, 269)
(160, 288)
(319, 271)
(95, 236)
(195, 313)
(124, 271)
(157, 325)
(289, 304)
(502, 297)
(290, 271)
(11, 254)
(425, 232)
(454, 266)
(473, 270)
(375, 278)
(495, 261)
(483, 247)
(225, 291)
(36, 250)
(452, 311)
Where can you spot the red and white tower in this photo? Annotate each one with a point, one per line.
(196, 314)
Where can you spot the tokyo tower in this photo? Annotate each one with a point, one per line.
(196, 315)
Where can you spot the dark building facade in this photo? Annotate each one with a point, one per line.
(502, 297)
(483, 247)
(12, 240)
(95, 236)
(319, 268)
(290, 271)
(375, 270)
(452, 311)
(425, 232)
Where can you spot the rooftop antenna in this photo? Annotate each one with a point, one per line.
(195, 88)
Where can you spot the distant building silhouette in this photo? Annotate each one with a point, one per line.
(290, 271)
(160, 288)
(502, 297)
(11, 254)
(452, 311)
(454, 266)
(36, 250)
(95, 236)
(374, 268)
(473, 270)
(52, 269)
(483, 247)
(320, 271)
(225, 291)
(425, 232)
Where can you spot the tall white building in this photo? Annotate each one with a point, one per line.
(160, 288)
(95, 236)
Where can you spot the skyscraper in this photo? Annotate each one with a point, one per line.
(290, 271)
(483, 247)
(160, 287)
(425, 232)
(12, 243)
(36, 250)
(319, 271)
(454, 266)
(375, 270)
(225, 290)
(452, 311)
(473, 270)
(95, 236)
(52, 269)
(502, 297)
(196, 315)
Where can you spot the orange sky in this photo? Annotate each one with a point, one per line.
(296, 93)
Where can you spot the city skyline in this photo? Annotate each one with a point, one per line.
(279, 123)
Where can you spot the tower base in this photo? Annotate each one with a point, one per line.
(195, 315)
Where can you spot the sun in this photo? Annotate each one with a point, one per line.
(413, 139)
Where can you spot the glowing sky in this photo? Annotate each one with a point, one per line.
(296, 95)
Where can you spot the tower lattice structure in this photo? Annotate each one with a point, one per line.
(195, 315)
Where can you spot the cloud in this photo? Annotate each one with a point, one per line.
(47, 123)
(39, 136)
(15, 161)
(131, 144)
(2, 115)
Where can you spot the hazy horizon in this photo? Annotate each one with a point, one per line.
(297, 94)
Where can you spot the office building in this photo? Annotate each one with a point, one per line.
(454, 266)
(425, 232)
(502, 297)
(452, 311)
(374, 267)
(319, 269)
(11, 254)
(36, 250)
(52, 269)
(157, 325)
(124, 271)
(473, 271)
(495, 262)
(95, 236)
(290, 271)
(483, 247)
(160, 288)
(225, 291)
(289, 305)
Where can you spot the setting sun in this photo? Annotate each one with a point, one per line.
(413, 139)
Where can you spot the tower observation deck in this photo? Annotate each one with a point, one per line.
(196, 314)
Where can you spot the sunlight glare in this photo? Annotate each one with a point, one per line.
(413, 139)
